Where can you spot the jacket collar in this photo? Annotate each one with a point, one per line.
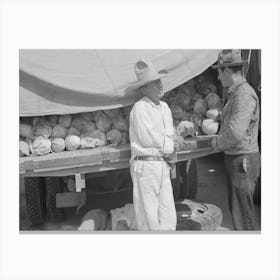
(234, 86)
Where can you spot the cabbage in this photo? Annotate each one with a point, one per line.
(35, 120)
(52, 120)
(212, 114)
(79, 123)
(41, 146)
(196, 97)
(209, 88)
(23, 148)
(120, 123)
(43, 129)
(87, 127)
(210, 127)
(183, 89)
(73, 131)
(104, 123)
(213, 101)
(88, 142)
(59, 131)
(98, 135)
(196, 119)
(114, 136)
(65, 120)
(112, 113)
(25, 130)
(200, 107)
(177, 112)
(97, 115)
(88, 116)
(186, 128)
(72, 142)
(58, 145)
(183, 100)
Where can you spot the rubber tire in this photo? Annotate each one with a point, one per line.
(54, 185)
(207, 220)
(189, 182)
(35, 199)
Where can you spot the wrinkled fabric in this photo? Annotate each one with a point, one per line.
(151, 129)
(75, 81)
(239, 121)
(126, 214)
(153, 196)
(242, 174)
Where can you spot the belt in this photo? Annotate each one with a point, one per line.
(151, 158)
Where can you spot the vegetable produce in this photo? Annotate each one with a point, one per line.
(41, 146)
(213, 101)
(200, 107)
(112, 113)
(59, 131)
(104, 123)
(183, 100)
(25, 130)
(120, 123)
(212, 114)
(23, 148)
(88, 116)
(78, 123)
(87, 126)
(186, 128)
(177, 112)
(72, 142)
(52, 120)
(114, 136)
(210, 127)
(43, 129)
(58, 145)
(73, 131)
(88, 142)
(65, 120)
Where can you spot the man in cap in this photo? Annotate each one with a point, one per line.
(152, 141)
(238, 138)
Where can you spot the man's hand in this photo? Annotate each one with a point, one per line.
(214, 144)
(179, 142)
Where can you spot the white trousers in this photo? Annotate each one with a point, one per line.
(153, 196)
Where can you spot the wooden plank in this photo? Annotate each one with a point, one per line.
(79, 157)
(69, 199)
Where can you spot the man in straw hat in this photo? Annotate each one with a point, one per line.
(238, 138)
(152, 141)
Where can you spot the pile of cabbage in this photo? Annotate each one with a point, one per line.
(195, 107)
(57, 133)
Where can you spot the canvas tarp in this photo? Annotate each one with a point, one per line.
(73, 81)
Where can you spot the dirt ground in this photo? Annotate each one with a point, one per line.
(211, 189)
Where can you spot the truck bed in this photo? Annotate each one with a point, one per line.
(99, 159)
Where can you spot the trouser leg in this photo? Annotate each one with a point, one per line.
(145, 194)
(167, 211)
(242, 181)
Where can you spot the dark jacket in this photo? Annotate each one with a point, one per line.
(240, 120)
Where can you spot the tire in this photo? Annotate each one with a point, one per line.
(189, 181)
(53, 186)
(35, 199)
(192, 215)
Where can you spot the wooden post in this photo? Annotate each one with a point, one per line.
(80, 182)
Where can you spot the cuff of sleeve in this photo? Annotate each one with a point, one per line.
(168, 146)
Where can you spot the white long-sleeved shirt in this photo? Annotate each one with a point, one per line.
(151, 129)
